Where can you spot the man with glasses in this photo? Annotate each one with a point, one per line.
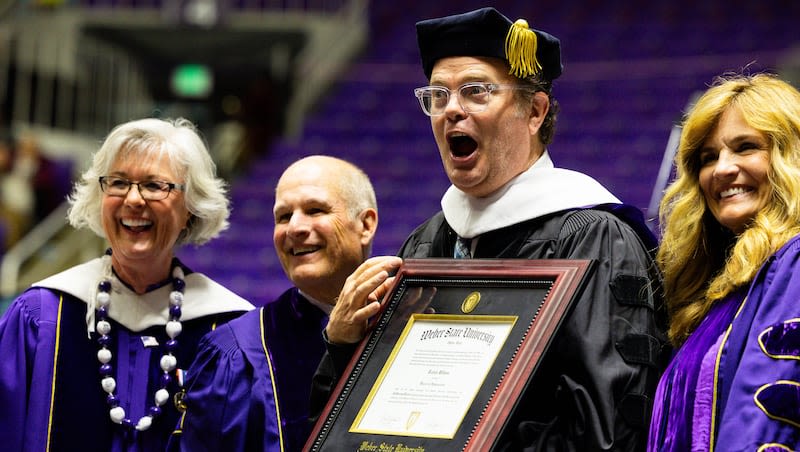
(493, 114)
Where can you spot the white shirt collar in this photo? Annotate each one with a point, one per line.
(540, 190)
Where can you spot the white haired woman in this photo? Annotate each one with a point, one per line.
(92, 356)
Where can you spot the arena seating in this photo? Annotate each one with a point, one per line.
(630, 70)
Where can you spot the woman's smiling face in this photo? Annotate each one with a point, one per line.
(142, 233)
(734, 169)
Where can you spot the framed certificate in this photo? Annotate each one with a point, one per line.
(449, 355)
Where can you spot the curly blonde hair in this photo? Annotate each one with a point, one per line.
(702, 261)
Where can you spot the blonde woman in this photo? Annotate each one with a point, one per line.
(729, 254)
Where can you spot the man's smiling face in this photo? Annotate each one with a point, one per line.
(317, 238)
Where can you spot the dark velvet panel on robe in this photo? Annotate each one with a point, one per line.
(746, 419)
(230, 398)
(753, 352)
(294, 338)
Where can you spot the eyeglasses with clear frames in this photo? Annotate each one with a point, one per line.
(151, 190)
(473, 97)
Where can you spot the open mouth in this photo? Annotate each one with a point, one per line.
(137, 225)
(462, 145)
(302, 251)
(733, 192)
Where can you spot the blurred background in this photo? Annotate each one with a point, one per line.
(271, 81)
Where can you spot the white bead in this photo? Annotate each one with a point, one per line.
(103, 298)
(103, 327)
(176, 298)
(174, 328)
(162, 395)
(168, 363)
(104, 355)
(144, 423)
(109, 384)
(117, 414)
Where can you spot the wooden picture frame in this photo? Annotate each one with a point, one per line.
(454, 336)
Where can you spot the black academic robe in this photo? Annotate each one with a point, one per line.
(594, 387)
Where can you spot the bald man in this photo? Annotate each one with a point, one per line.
(248, 388)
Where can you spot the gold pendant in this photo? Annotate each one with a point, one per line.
(177, 399)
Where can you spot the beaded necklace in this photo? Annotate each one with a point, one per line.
(168, 361)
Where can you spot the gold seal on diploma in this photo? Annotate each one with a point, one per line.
(469, 303)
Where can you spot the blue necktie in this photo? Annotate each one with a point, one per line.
(461, 250)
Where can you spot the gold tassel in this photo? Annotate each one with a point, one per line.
(521, 44)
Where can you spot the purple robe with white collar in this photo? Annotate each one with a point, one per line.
(50, 394)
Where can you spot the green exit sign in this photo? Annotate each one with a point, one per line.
(192, 80)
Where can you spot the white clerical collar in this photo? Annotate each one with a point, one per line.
(324, 307)
(540, 190)
(202, 296)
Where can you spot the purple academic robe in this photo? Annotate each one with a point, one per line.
(234, 384)
(754, 382)
(50, 394)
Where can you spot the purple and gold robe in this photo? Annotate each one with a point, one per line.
(50, 393)
(735, 383)
(246, 368)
